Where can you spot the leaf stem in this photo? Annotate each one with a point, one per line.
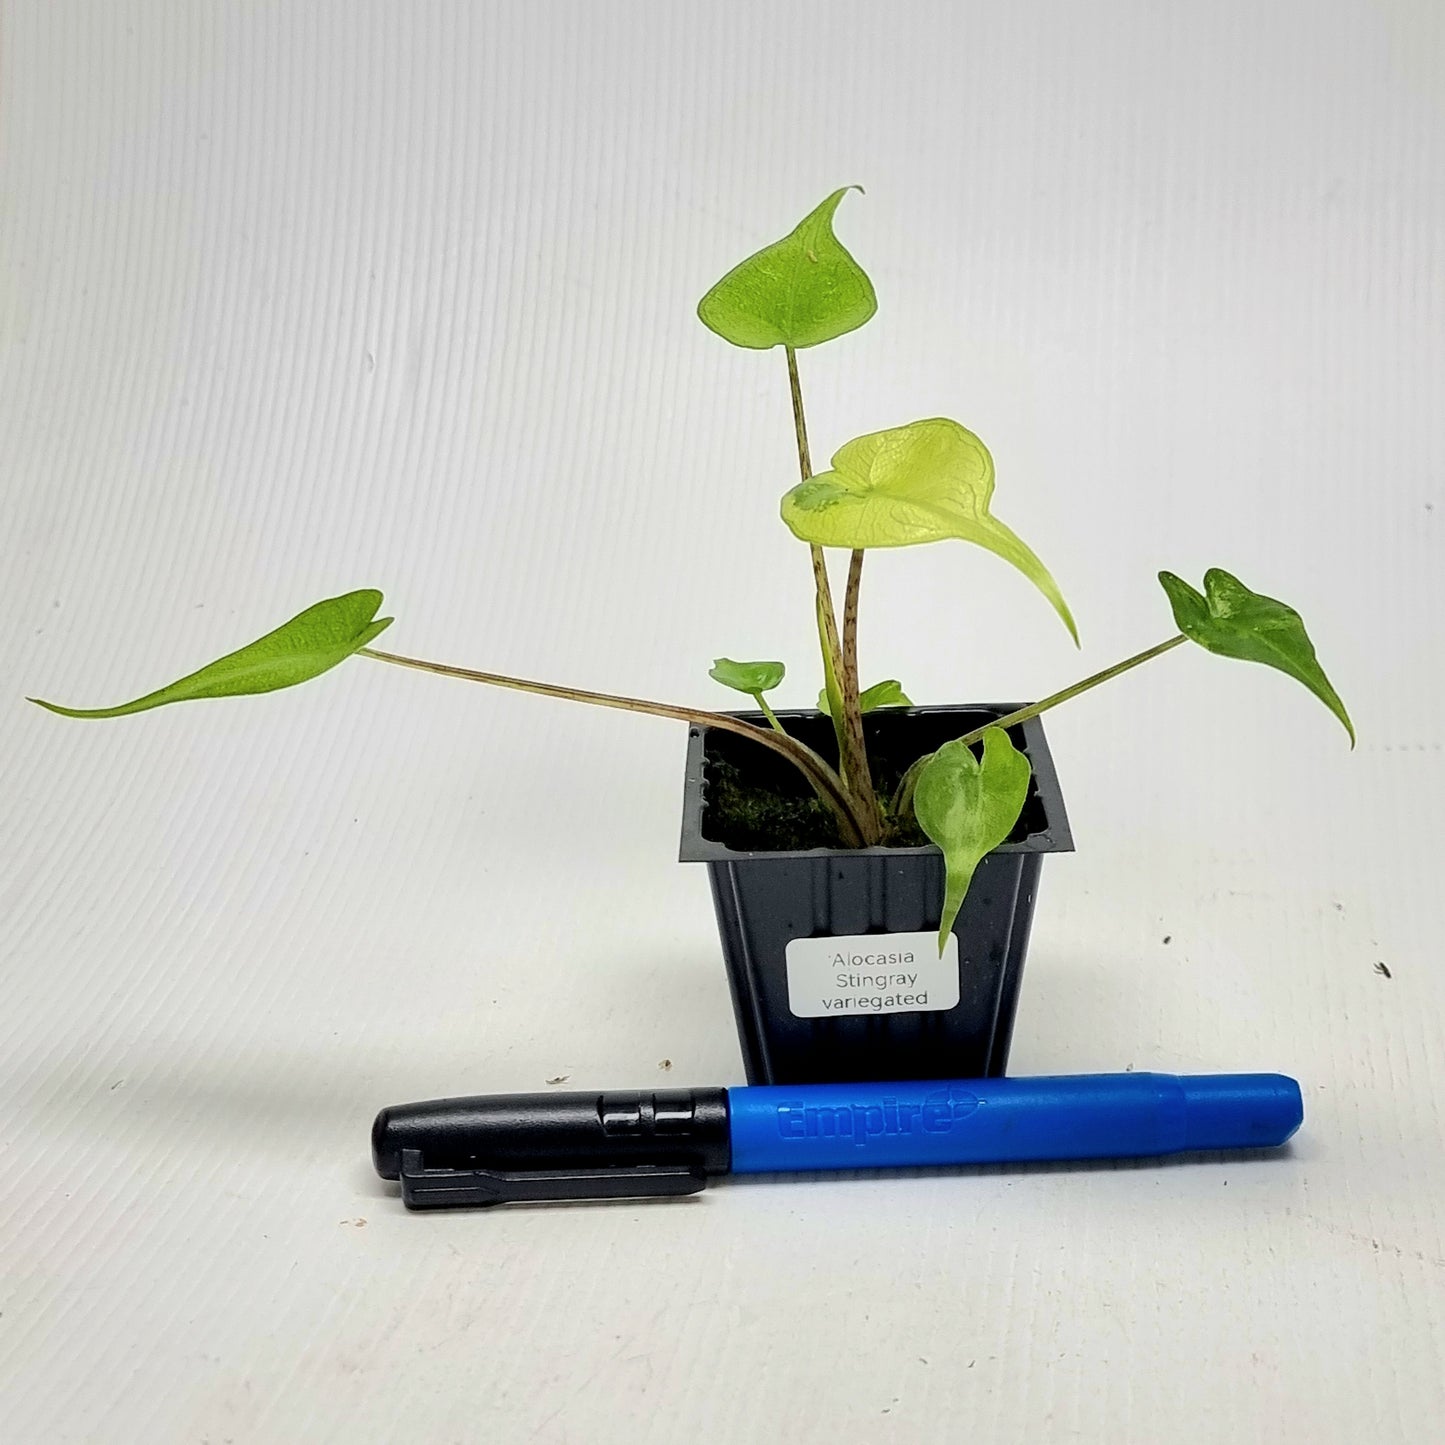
(847, 720)
(903, 797)
(768, 713)
(832, 651)
(824, 779)
(1023, 714)
(800, 426)
(828, 640)
(861, 780)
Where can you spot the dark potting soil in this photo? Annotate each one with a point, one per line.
(757, 802)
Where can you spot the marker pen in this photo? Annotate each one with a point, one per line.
(517, 1147)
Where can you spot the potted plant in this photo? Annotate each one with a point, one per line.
(873, 864)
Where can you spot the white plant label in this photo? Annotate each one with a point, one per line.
(871, 973)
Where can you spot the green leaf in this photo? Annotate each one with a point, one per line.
(310, 644)
(749, 677)
(881, 694)
(924, 482)
(968, 808)
(800, 291)
(1232, 621)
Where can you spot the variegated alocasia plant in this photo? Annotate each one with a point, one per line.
(925, 481)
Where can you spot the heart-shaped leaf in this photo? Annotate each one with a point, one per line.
(881, 694)
(968, 807)
(749, 677)
(311, 643)
(800, 291)
(924, 482)
(1232, 621)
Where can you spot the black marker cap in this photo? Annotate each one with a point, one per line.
(518, 1147)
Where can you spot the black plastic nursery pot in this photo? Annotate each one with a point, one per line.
(832, 952)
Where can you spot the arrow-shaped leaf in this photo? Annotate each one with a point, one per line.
(924, 482)
(968, 807)
(1232, 621)
(800, 291)
(310, 644)
(881, 694)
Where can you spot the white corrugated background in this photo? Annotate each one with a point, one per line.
(302, 297)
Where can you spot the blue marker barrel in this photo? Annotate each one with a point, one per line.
(978, 1121)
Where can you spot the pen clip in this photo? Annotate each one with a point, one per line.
(423, 1188)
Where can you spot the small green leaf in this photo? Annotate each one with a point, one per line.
(968, 808)
(924, 482)
(1232, 621)
(884, 694)
(800, 291)
(749, 677)
(310, 644)
(881, 694)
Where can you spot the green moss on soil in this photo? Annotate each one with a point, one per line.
(752, 819)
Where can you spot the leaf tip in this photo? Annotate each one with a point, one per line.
(835, 198)
(58, 710)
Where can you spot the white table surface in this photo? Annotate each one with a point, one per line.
(298, 298)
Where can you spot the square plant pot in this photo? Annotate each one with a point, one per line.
(831, 952)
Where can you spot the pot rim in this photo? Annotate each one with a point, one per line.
(1055, 837)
